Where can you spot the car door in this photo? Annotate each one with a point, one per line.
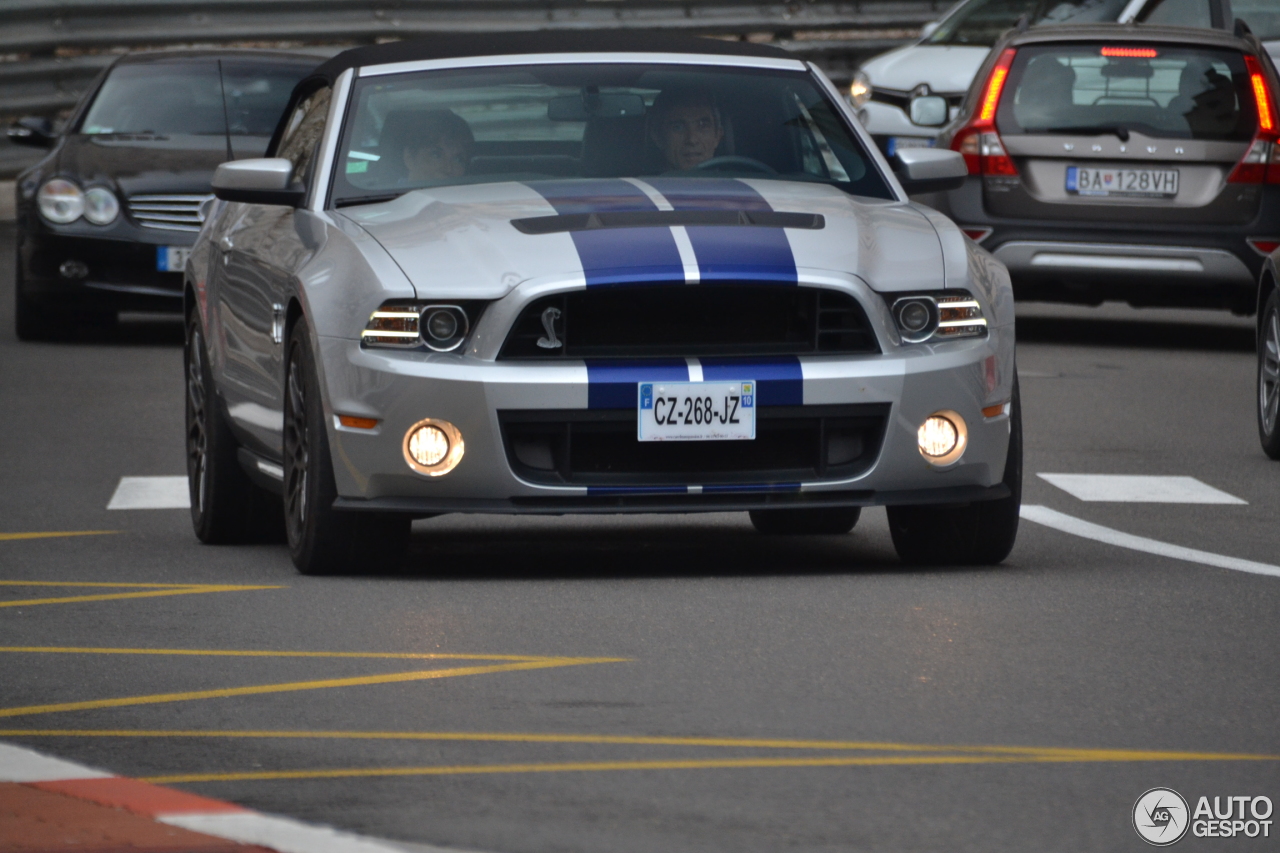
(261, 252)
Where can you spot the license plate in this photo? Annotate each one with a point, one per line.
(897, 143)
(1148, 183)
(697, 411)
(172, 258)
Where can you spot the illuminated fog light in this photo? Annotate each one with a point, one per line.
(433, 447)
(942, 437)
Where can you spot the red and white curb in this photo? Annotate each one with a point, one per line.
(187, 811)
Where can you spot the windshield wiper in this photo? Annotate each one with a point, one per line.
(368, 199)
(1120, 131)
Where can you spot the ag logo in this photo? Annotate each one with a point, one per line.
(1160, 816)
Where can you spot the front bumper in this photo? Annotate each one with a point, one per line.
(121, 262)
(906, 385)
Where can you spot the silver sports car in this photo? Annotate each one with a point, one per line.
(592, 274)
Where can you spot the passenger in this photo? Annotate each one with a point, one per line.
(685, 126)
(432, 144)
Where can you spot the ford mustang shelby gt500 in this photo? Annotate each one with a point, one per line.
(596, 274)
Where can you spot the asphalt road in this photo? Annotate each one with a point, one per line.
(666, 683)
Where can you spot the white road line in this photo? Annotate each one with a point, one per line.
(151, 493)
(278, 833)
(1098, 533)
(27, 765)
(1126, 488)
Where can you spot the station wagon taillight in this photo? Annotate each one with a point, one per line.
(978, 140)
(1261, 163)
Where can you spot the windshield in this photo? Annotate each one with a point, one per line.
(169, 98)
(436, 128)
(981, 22)
(1175, 92)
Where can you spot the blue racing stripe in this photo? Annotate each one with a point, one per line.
(780, 378)
(612, 384)
(615, 255)
(730, 253)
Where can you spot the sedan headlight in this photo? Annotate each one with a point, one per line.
(60, 201)
(860, 89)
(101, 206)
(938, 316)
(442, 327)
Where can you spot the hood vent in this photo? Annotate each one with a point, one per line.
(666, 218)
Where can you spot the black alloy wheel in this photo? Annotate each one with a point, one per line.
(322, 540)
(974, 534)
(1269, 376)
(817, 521)
(226, 507)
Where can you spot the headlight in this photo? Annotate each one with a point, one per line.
(924, 317)
(100, 206)
(860, 89)
(409, 325)
(60, 201)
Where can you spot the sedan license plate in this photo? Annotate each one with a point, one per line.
(897, 143)
(697, 411)
(1141, 183)
(172, 258)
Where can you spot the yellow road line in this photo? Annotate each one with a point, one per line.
(286, 687)
(116, 596)
(253, 653)
(9, 537)
(1040, 753)
(598, 766)
(106, 584)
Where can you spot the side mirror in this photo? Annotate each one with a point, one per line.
(34, 131)
(929, 29)
(928, 110)
(264, 180)
(929, 170)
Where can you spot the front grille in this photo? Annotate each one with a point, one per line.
(176, 212)
(646, 321)
(598, 447)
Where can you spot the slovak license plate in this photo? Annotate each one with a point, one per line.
(172, 258)
(1151, 183)
(697, 411)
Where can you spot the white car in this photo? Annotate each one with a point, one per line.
(904, 96)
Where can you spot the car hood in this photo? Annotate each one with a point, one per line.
(944, 68)
(477, 241)
(151, 164)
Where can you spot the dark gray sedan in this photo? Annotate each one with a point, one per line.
(1123, 162)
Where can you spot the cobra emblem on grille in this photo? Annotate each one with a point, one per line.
(549, 317)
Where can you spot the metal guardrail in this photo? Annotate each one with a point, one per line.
(51, 50)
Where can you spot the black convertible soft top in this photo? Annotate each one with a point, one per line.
(454, 46)
(506, 44)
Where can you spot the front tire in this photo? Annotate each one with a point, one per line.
(980, 533)
(1269, 376)
(323, 541)
(226, 507)
(823, 521)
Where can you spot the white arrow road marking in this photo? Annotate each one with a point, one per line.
(1139, 489)
(1098, 533)
(151, 493)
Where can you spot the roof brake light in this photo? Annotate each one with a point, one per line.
(1131, 52)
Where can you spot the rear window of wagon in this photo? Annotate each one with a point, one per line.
(1174, 92)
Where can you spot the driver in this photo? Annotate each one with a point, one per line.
(685, 126)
